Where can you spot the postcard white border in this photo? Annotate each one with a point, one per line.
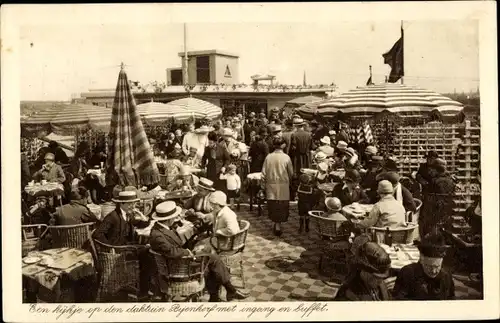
(14, 16)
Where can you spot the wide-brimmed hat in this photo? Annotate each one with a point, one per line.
(385, 187)
(204, 129)
(219, 198)
(226, 132)
(432, 245)
(252, 114)
(371, 150)
(126, 197)
(332, 132)
(49, 156)
(333, 204)
(166, 211)
(325, 140)
(374, 259)
(206, 184)
(341, 145)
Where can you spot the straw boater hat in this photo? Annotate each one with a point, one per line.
(342, 145)
(276, 128)
(49, 156)
(206, 184)
(325, 140)
(333, 204)
(126, 197)
(166, 211)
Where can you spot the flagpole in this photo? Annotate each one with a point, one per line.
(403, 52)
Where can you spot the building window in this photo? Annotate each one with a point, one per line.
(203, 69)
(243, 106)
(176, 77)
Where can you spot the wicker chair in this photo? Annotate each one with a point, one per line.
(402, 235)
(416, 214)
(185, 276)
(230, 248)
(31, 237)
(334, 242)
(71, 236)
(118, 268)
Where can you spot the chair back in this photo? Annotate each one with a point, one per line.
(414, 215)
(326, 227)
(31, 237)
(235, 242)
(402, 235)
(181, 269)
(71, 236)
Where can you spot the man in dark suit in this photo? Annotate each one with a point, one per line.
(117, 229)
(301, 143)
(165, 240)
(258, 152)
(424, 176)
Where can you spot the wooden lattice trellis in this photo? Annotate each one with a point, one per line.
(458, 144)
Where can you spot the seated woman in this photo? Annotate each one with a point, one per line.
(387, 212)
(366, 280)
(199, 204)
(173, 165)
(185, 181)
(351, 192)
(426, 280)
(76, 212)
(193, 159)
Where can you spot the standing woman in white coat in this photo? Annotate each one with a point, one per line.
(277, 173)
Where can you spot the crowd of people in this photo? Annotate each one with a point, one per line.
(293, 157)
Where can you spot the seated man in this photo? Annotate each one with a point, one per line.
(51, 172)
(76, 211)
(387, 212)
(426, 280)
(199, 204)
(164, 240)
(401, 193)
(117, 229)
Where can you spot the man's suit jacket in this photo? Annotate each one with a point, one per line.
(115, 231)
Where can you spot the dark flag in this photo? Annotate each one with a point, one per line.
(395, 59)
(369, 82)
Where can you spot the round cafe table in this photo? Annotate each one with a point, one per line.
(352, 212)
(51, 190)
(402, 255)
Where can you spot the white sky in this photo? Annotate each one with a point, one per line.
(66, 59)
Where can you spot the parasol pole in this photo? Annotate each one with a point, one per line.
(186, 76)
(402, 54)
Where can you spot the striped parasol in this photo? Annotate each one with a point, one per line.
(300, 101)
(65, 119)
(130, 161)
(403, 100)
(308, 110)
(181, 110)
